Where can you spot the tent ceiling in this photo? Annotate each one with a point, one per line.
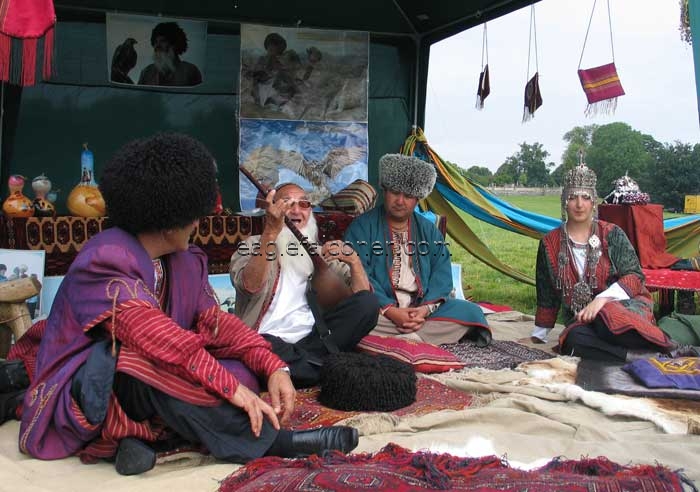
(432, 21)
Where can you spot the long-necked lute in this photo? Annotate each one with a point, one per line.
(330, 288)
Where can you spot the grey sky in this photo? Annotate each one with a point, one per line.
(654, 65)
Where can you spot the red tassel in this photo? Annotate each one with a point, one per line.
(28, 61)
(5, 46)
(48, 54)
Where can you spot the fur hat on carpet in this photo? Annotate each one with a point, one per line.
(407, 174)
(361, 382)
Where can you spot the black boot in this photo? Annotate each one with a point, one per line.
(134, 457)
(9, 403)
(13, 376)
(318, 441)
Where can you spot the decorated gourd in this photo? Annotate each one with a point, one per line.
(17, 204)
(85, 200)
(42, 205)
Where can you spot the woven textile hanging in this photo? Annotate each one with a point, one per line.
(22, 24)
(484, 80)
(533, 96)
(600, 84)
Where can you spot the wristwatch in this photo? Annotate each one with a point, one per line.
(285, 369)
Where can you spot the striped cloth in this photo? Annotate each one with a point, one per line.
(601, 84)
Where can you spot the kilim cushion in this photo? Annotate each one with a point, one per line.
(424, 357)
(356, 198)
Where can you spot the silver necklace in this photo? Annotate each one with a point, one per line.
(582, 290)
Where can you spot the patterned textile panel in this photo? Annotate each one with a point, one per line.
(63, 237)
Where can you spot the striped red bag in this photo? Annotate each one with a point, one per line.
(602, 87)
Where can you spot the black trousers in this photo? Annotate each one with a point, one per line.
(224, 430)
(596, 341)
(347, 323)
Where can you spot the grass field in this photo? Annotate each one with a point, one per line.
(482, 282)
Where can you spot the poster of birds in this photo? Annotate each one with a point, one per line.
(303, 109)
(321, 157)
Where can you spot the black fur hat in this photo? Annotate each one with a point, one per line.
(361, 382)
(162, 182)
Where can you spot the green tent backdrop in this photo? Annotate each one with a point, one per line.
(45, 125)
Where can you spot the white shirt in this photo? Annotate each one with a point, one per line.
(289, 316)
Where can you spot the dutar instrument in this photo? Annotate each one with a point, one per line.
(330, 288)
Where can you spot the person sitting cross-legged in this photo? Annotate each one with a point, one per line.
(588, 268)
(408, 262)
(136, 349)
(274, 294)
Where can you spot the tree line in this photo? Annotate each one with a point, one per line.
(667, 172)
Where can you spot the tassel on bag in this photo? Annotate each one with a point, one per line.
(533, 98)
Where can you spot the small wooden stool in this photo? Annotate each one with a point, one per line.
(14, 313)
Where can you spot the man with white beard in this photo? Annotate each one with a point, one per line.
(169, 41)
(271, 275)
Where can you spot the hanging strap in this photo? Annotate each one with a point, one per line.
(612, 47)
(533, 34)
(484, 48)
(320, 322)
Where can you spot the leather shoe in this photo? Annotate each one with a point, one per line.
(13, 376)
(134, 457)
(318, 441)
(9, 403)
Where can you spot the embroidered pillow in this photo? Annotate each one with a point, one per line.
(356, 198)
(424, 357)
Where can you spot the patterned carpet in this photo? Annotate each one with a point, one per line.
(431, 396)
(499, 355)
(397, 469)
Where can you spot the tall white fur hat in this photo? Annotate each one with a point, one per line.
(407, 174)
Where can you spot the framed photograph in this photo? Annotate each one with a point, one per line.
(155, 51)
(49, 288)
(20, 263)
(221, 283)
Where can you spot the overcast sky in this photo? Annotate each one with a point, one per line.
(654, 65)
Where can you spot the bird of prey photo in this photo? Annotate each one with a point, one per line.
(265, 162)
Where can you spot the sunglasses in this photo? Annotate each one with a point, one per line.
(301, 203)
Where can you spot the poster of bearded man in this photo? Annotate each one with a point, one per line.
(155, 51)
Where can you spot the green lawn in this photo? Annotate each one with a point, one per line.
(483, 283)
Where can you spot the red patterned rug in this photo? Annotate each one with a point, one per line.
(398, 469)
(431, 396)
(665, 278)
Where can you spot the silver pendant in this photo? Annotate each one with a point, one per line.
(581, 295)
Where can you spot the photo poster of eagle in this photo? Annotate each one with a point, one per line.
(155, 51)
(303, 109)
